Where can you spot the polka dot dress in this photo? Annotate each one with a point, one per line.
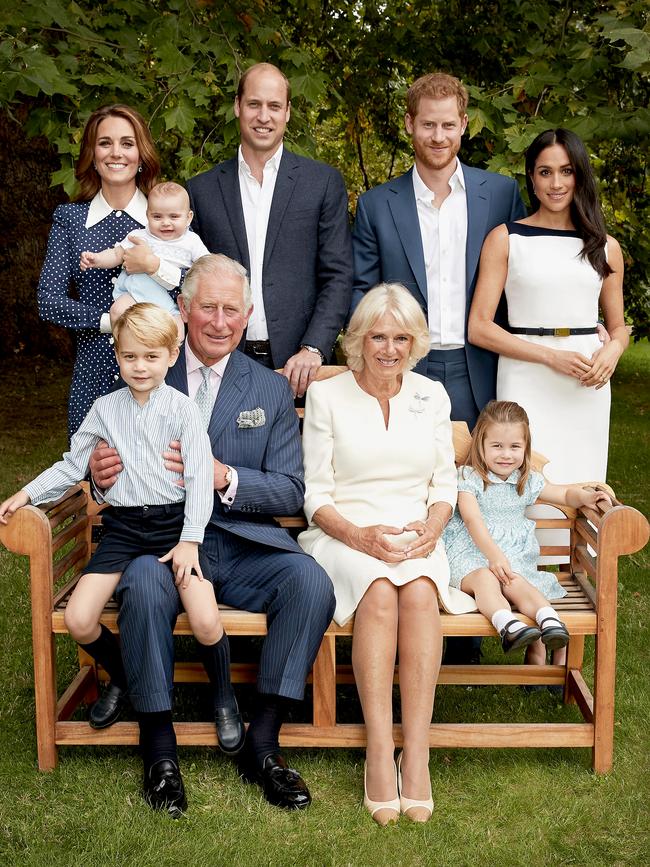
(76, 299)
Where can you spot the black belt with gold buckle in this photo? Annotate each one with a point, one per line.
(553, 332)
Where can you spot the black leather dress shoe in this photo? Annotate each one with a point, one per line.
(521, 638)
(282, 786)
(231, 732)
(163, 788)
(108, 707)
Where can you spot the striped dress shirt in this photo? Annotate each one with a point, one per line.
(141, 434)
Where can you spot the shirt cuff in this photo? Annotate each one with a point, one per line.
(192, 533)
(227, 497)
(105, 323)
(168, 276)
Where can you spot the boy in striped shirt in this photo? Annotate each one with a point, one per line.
(149, 512)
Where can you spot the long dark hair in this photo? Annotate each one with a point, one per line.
(86, 174)
(586, 213)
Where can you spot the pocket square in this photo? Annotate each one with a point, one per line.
(248, 418)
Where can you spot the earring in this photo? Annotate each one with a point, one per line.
(140, 168)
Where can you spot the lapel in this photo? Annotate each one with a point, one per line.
(284, 187)
(228, 178)
(177, 375)
(234, 385)
(478, 209)
(401, 201)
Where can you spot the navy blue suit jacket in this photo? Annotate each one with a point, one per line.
(268, 459)
(387, 247)
(307, 267)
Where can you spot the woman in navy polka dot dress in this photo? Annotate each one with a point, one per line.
(117, 167)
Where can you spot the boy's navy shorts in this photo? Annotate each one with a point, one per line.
(130, 531)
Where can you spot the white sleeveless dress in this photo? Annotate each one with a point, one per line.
(550, 286)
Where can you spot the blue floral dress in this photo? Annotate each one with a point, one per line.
(76, 299)
(503, 511)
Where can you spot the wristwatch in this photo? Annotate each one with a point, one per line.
(228, 476)
(313, 349)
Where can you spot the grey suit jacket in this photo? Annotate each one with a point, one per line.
(387, 246)
(268, 458)
(307, 267)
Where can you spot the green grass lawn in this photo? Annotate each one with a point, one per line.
(501, 807)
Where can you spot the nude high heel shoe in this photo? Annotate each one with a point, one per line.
(392, 808)
(406, 804)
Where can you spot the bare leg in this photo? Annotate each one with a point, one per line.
(86, 604)
(202, 611)
(119, 306)
(528, 600)
(374, 646)
(486, 588)
(420, 648)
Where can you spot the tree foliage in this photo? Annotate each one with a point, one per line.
(581, 64)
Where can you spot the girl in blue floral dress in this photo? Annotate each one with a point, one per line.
(491, 545)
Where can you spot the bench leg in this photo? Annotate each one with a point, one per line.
(324, 684)
(45, 698)
(604, 683)
(574, 657)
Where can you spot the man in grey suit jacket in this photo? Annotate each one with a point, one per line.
(426, 228)
(255, 565)
(285, 218)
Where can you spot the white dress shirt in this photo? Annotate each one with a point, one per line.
(444, 238)
(194, 380)
(168, 275)
(256, 201)
(141, 434)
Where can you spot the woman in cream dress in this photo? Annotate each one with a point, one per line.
(557, 268)
(381, 486)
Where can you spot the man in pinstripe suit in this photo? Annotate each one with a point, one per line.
(256, 565)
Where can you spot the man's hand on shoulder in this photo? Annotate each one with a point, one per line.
(301, 370)
(105, 465)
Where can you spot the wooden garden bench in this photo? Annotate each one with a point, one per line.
(57, 538)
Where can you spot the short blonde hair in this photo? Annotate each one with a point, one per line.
(170, 188)
(149, 324)
(385, 298)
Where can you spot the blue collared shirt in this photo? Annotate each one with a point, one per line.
(141, 434)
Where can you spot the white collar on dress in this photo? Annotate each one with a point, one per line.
(512, 479)
(100, 209)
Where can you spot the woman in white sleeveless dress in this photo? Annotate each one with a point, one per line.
(557, 268)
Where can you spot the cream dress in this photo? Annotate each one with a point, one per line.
(550, 286)
(377, 475)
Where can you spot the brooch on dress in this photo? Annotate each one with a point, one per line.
(418, 404)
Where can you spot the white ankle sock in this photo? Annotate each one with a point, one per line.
(503, 616)
(547, 613)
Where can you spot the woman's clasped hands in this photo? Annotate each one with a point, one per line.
(394, 544)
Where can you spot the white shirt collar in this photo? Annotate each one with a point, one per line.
(272, 162)
(424, 194)
(194, 364)
(512, 479)
(100, 209)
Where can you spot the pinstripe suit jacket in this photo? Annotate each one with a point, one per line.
(268, 459)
